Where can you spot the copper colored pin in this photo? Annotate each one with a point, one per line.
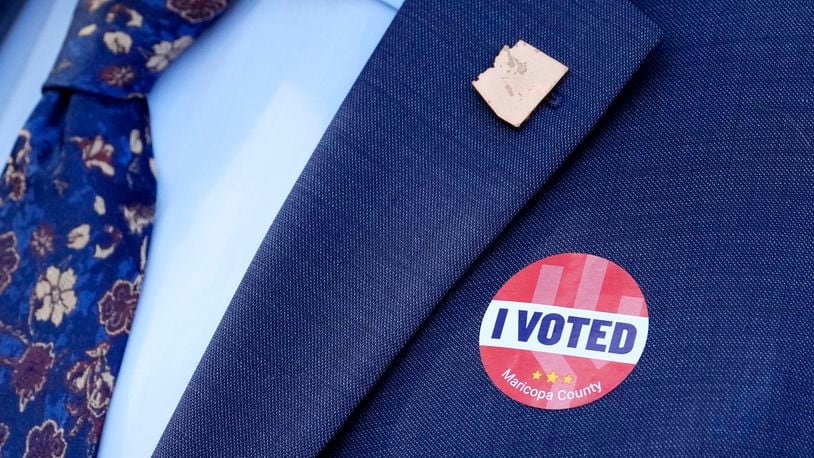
(518, 81)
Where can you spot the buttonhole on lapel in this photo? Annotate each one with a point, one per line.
(554, 100)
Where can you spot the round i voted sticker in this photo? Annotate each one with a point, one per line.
(564, 331)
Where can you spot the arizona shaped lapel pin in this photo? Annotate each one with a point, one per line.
(518, 81)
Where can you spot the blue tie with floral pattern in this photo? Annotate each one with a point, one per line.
(77, 200)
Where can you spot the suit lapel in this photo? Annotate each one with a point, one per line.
(414, 178)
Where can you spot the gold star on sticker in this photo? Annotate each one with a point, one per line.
(536, 375)
(568, 379)
(552, 377)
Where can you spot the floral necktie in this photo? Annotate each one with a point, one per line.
(77, 200)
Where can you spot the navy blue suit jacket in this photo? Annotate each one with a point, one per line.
(679, 146)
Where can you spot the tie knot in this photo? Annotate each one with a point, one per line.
(119, 48)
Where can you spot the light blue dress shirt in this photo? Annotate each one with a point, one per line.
(234, 122)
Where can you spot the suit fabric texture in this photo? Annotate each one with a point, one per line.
(679, 146)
